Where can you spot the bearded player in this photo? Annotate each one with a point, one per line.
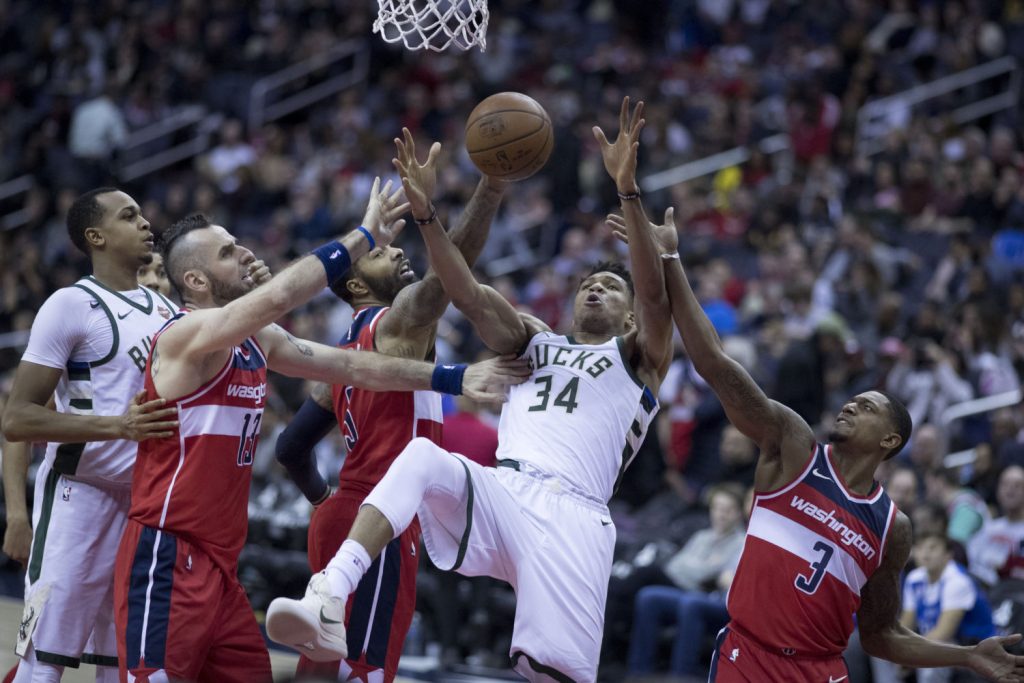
(396, 315)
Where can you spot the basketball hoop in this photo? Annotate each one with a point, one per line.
(433, 24)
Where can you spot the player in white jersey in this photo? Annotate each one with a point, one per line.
(86, 351)
(540, 520)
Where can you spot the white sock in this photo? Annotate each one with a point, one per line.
(346, 568)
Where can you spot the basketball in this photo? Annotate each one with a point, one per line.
(509, 136)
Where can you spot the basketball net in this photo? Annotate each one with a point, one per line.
(433, 24)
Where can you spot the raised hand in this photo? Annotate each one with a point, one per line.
(665, 235)
(419, 180)
(147, 419)
(488, 380)
(383, 212)
(620, 156)
(990, 659)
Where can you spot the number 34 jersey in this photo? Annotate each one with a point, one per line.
(195, 483)
(581, 416)
(810, 548)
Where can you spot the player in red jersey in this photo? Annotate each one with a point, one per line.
(824, 542)
(395, 315)
(181, 612)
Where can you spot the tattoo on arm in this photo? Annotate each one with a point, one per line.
(880, 600)
(304, 349)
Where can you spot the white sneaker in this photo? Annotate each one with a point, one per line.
(314, 625)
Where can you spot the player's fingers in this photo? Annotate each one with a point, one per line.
(400, 147)
(599, 136)
(139, 397)
(638, 111)
(1011, 639)
(150, 406)
(624, 114)
(397, 227)
(621, 236)
(433, 154)
(670, 216)
(375, 187)
(157, 415)
(385, 193)
(409, 142)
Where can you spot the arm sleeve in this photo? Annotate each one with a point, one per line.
(294, 449)
(55, 333)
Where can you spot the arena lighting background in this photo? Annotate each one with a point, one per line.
(852, 251)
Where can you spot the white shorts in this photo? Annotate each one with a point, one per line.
(552, 544)
(69, 585)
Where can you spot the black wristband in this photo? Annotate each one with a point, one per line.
(627, 196)
(427, 221)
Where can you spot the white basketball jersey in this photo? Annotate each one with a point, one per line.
(122, 325)
(581, 416)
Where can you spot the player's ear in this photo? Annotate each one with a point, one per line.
(196, 280)
(94, 237)
(356, 288)
(630, 320)
(891, 441)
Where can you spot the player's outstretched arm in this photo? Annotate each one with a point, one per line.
(30, 416)
(495, 319)
(777, 430)
(654, 318)
(208, 330)
(883, 636)
(418, 307)
(294, 449)
(18, 534)
(484, 381)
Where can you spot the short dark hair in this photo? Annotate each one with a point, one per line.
(615, 269)
(934, 536)
(340, 286)
(85, 213)
(901, 421)
(178, 261)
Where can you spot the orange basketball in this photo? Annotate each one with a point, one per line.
(509, 136)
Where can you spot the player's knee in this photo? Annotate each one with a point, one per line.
(419, 458)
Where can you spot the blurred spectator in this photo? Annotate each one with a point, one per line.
(903, 488)
(228, 163)
(927, 381)
(941, 602)
(965, 509)
(997, 551)
(689, 591)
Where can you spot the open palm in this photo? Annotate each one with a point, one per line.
(620, 156)
(665, 235)
(419, 180)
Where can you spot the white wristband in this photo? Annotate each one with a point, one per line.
(674, 256)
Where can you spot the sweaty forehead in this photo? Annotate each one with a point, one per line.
(115, 202)
(604, 277)
(872, 397)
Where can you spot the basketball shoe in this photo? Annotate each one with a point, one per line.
(314, 625)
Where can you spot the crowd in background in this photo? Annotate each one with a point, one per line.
(826, 271)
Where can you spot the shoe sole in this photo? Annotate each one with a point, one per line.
(295, 627)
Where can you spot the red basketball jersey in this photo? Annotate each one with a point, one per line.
(810, 548)
(195, 484)
(377, 425)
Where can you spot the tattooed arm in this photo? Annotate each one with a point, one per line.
(783, 437)
(883, 636)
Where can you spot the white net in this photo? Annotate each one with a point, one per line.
(433, 24)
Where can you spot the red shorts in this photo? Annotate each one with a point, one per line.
(177, 612)
(387, 593)
(740, 660)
